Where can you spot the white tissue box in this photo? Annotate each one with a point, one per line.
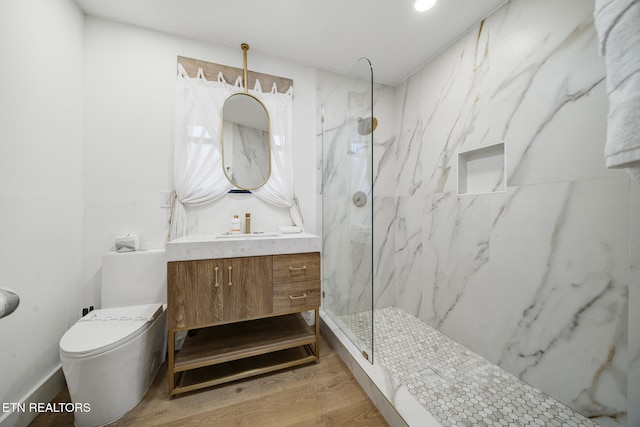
(128, 243)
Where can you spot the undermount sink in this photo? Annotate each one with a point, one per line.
(226, 245)
(230, 235)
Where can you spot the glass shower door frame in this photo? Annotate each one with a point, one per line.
(348, 127)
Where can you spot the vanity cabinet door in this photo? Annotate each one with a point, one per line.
(248, 289)
(195, 293)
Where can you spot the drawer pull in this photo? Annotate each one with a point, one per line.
(230, 283)
(217, 283)
(304, 267)
(291, 297)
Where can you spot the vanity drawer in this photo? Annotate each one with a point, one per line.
(288, 297)
(296, 267)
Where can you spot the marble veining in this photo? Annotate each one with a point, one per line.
(540, 279)
(195, 247)
(535, 279)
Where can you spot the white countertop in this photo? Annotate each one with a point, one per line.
(212, 246)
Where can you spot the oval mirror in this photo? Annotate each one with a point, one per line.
(246, 136)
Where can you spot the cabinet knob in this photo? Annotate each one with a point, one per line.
(304, 267)
(216, 284)
(230, 282)
(291, 297)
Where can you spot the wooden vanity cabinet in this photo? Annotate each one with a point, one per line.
(212, 291)
(244, 315)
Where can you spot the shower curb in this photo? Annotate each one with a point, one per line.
(363, 371)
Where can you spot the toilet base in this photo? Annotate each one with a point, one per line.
(108, 385)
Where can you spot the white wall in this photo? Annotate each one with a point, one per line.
(129, 100)
(40, 185)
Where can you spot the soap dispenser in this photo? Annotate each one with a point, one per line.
(235, 224)
(247, 223)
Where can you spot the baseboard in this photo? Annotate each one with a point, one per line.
(43, 392)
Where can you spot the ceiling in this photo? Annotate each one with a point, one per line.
(326, 34)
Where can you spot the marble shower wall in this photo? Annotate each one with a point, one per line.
(535, 278)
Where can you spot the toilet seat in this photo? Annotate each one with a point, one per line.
(105, 329)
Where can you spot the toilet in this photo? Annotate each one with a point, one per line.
(111, 356)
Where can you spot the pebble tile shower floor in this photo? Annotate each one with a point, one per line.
(457, 386)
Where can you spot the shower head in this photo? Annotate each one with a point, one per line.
(367, 125)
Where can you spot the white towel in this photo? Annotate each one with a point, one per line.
(618, 25)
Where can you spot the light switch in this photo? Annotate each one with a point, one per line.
(165, 199)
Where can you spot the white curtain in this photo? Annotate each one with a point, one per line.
(197, 166)
(279, 188)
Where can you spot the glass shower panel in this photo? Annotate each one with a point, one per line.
(347, 202)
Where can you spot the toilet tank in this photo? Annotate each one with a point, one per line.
(132, 278)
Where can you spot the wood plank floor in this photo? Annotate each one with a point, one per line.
(319, 394)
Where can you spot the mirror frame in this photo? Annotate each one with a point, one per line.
(222, 139)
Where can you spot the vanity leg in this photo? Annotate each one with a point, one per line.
(317, 333)
(171, 359)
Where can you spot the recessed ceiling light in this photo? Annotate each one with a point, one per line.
(424, 5)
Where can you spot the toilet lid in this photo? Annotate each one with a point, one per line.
(105, 329)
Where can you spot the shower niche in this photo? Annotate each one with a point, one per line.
(482, 170)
